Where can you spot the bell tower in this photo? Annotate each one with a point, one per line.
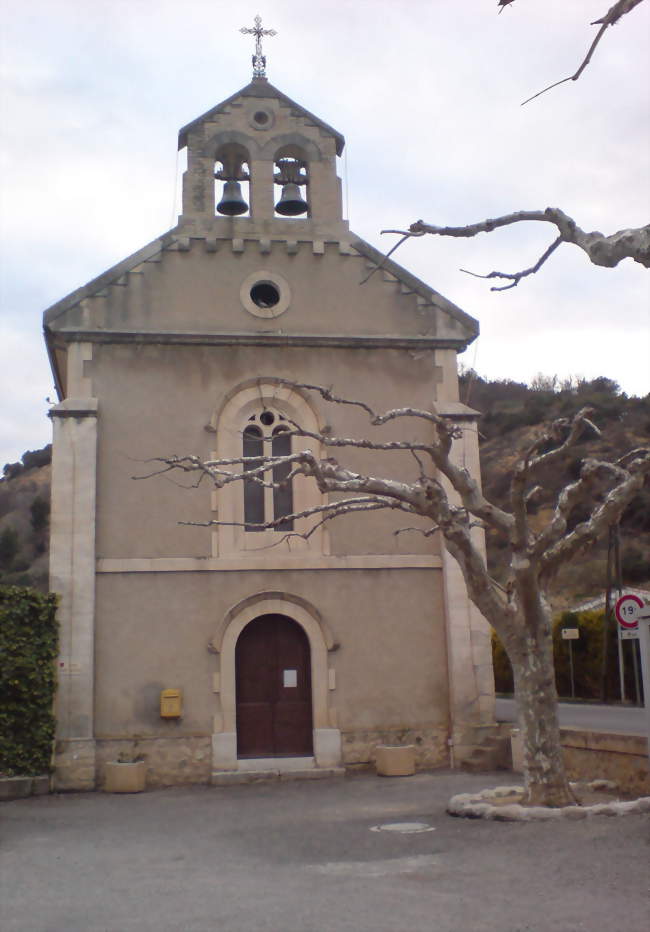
(260, 164)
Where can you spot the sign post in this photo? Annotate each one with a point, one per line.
(571, 635)
(644, 644)
(633, 617)
(628, 608)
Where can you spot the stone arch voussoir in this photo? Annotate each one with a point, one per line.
(308, 146)
(230, 137)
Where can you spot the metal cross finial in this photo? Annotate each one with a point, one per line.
(259, 61)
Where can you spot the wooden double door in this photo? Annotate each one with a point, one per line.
(273, 670)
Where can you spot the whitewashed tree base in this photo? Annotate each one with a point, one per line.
(479, 805)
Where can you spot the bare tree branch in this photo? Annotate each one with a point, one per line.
(613, 15)
(362, 443)
(375, 419)
(517, 276)
(602, 250)
(439, 449)
(573, 494)
(560, 436)
(339, 507)
(626, 485)
(630, 455)
(417, 459)
(328, 512)
(532, 494)
(425, 532)
(565, 433)
(221, 477)
(390, 252)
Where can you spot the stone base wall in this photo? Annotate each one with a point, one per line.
(81, 763)
(74, 764)
(430, 742)
(21, 787)
(593, 755)
(170, 761)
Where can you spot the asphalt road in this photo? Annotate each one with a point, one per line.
(302, 857)
(611, 718)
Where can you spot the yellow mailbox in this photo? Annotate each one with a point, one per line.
(171, 703)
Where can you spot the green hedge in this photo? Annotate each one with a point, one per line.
(28, 650)
(587, 659)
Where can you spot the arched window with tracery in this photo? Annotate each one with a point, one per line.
(255, 420)
(267, 433)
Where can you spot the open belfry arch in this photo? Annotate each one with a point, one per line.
(181, 348)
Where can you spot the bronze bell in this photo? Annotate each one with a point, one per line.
(232, 203)
(291, 202)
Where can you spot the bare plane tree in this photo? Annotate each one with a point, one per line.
(453, 505)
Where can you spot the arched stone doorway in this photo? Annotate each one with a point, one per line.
(273, 689)
(326, 737)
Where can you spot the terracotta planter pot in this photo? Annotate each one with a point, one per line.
(125, 777)
(395, 761)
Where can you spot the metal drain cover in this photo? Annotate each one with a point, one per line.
(404, 828)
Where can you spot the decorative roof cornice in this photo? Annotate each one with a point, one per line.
(416, 284)
(258, 338)
(172, 239)
(109, 277)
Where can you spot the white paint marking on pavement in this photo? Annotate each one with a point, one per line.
(405, 828)
(377, 868)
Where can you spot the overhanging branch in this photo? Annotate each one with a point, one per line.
(606, 251)
(613, 15)
(619, 9)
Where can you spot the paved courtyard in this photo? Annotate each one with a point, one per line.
(302, 857)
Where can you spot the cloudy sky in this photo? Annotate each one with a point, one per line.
(427, 94)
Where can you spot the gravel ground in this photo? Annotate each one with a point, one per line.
(302, 856)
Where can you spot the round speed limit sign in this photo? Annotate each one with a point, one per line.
(628, 608)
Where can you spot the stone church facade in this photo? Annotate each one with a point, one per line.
(304, 655)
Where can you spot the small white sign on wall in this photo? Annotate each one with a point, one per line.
(289, 678)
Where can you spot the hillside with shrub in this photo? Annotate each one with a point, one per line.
(25, 520)
(513, 414)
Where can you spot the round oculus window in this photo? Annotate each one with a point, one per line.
(265, 293)
(262, 118)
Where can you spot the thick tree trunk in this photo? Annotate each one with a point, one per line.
(544, 773)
